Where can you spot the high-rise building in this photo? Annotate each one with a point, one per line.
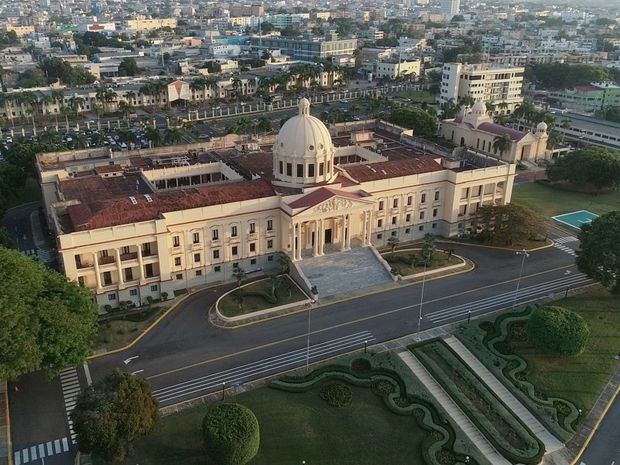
(450, 8)
(499, 85)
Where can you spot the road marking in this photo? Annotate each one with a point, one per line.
(352, 322)
(136, 372)
(42, 450)
(565, 239)
(507, 297)
(65, 445)
(25, 459)
(49, 448)
(566, 249)
(248, 371)
(33, 453)
(70, 384)
(128, 360)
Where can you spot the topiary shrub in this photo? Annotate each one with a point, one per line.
(361, 365)
(557, 330)
(231, 434)
(336, 394)
(382, 387)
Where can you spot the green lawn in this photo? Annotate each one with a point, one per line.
(550, 201)
(253, 300)
(296, 427)
(580, 379)
(418, 96)
(440, 260)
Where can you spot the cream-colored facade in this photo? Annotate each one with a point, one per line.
(133, 225)
(475, 129)
(143, 25)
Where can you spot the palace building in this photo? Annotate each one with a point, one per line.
(133, 225)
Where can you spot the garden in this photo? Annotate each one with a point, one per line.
(363, 409)
(556, 359)
(411, 261)
(512, 438)
(260, 295)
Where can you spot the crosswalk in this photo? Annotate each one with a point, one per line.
(40, 452)
(564, 240)
(240, 374)
(502, 300)
(560, 241)
(70, 384)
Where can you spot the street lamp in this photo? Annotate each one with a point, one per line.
(422, 296)
(524, 254)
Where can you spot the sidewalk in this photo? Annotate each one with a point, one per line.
(476, 437)
(551, 443)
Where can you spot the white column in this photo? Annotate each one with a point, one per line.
(365, 228)
(321, 237)
(300, 245)
(294, 243)
(141, 263)
(316, 238)
(119, 267)
(349, 232)
(97, 275)
(342, 229)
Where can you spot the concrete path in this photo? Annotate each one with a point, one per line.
(549, 440)
(473, 433)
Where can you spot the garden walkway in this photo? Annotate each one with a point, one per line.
(549, 440)
(457, 415)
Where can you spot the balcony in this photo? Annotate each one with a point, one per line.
(252, 236)
(216, 242)
(106, 260)
(83, 265)
(270, 233)
(234, 240)
(129, 256)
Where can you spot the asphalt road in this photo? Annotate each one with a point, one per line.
(605, 446)
(17, 221)
(185, 357)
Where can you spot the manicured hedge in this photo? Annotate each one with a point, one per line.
(557, 330)
(499, 425)
(231, 434)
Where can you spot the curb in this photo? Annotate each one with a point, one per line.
(508, 249)
(595, 428)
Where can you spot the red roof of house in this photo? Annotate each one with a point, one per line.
(393, 168)
(500, 130)
(321, 195)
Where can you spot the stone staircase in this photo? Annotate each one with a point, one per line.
(344, 272)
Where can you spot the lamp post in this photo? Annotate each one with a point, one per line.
(524, 254)
(422, 297)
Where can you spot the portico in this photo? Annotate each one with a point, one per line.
(329, 225)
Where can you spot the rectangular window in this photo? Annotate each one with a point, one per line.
(379, 236)
(252, 228)
(233, 231)
(395, 203)
(421, 228)
(252, 247)
(311, 170)
(410, 200)
(217, 269)
(253, 261)
(421, 215)
(128, 274)
(215, 234)
(146, 249)
(133, 292)
(111, 296)
(103, 253)
(281, 168)
(270, 244)
(270, 258)
(154, 288)
(196, 238)
(407, 231)
(107, 278)
(198, 273)
(177, 261)
(380, 205)
(379, 223)
(124, 250)
(235, 250)
(423, 198)
(300, 170)
(289, 169)
(408, 217)
(148, 270)
(435, 212)
(434, 225)
(269, 225)
(393, 220)
(81, 281)
(179, 276)
(196, 258)
(437, 195)
(393, 233)
(321, 168)
(176, 241)
(216, 254)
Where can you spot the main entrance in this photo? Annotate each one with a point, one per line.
(328, 236)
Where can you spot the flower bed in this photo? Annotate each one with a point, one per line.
(409, 261)
(495, 420)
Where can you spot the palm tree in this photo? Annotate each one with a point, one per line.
(501, 144)
(284, 261)
(264, 125)
(76, 103)
(125, 108)
(81, 141)
(428, 249)
(153, 135)
(502, 105)
(172, 136)
(238, 274)
(490, 108)
(393, 242)
(237, 85)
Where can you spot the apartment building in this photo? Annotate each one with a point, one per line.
(134, 225)
(588, 98)
(309, 48)
(500, 85)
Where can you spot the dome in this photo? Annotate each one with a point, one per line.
(303, 135)
(303, 151)
(479, 108)
(542, 126)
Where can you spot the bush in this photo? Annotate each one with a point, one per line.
(336, 394)
(361, 365)
(231, 434)
(557, 330)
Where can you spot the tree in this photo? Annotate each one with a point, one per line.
(586, 168)
(49, 322)
(238, 298)
(5, 238)
(506, 224)
(284, 261)
(231, 434)
(153, 135)
(172, 136)
(31, 78)
(422, 122)
(113, 413)
(128, 67)
(563, 75)
(599, 253)
(428, 249)
(501, 144)
(557, 330)
(238, 274)
(393, 242)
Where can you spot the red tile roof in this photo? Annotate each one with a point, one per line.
(321, 195)
(500, 130)
(393, 168)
